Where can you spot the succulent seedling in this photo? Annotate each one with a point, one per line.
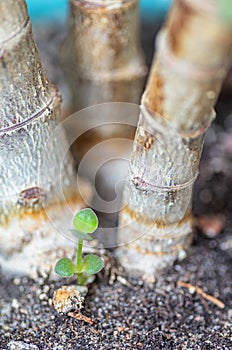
(85, 222)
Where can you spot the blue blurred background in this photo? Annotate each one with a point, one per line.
(53, 10)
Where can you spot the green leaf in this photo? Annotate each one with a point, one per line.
(85, 221)
(92, 264)
(65, 267)
(226, 7)
(81, 235)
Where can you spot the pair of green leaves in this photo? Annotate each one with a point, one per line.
(91, 264)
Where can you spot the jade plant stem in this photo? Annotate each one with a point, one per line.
(113, 70)
(35, 185)
(177, 108)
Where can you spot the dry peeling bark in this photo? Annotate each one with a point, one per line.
(105, 61)
(192, 59)
(36, 188)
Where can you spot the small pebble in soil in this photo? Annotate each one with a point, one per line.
(211, 225)
(67, 298)
(19, 345)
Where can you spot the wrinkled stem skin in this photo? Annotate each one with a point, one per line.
(35, 183)
(113, 70)
(177, 108)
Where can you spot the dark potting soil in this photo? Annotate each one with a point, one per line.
(130, 314)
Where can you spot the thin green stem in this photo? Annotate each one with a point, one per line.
(81, 279)
(79, 254)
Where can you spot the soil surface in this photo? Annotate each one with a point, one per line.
(130, 314)
(133, 316)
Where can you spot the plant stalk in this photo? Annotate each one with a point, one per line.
(113, 70)
(79, 255)
(37, 181)
(177, 108)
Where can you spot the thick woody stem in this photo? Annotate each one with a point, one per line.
(155, 220)
(198, 34)
(199, 57)
(34, 184)
(103, 46)
(106, 64)
(183, 86)
(189, 69)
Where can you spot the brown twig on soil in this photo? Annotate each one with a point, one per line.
(200, 291)
(80, 317)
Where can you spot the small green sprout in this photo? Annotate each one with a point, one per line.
(85, 222)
